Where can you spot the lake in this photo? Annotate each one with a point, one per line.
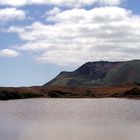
(70, 119)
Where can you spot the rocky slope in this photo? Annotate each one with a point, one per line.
(102, 73)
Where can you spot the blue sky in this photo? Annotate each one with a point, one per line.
(41, 38)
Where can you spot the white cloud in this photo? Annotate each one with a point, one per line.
(69, 3)
(79, 35)
(110, 2)
(97, 15)
(8, 53)
(11, 14)
(52, 12)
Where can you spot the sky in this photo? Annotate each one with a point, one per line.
(41, 38)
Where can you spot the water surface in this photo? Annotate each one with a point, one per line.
(70, 119)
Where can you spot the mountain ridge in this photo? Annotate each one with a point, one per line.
(102, 79)
(99, 73)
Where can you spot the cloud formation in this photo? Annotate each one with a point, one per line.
(79, 35)
(69, 3)
(8, 14)
(8, 53)
(52, 12)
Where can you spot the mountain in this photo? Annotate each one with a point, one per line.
(100, 79)
(101, 73)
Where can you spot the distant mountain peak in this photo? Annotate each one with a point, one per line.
(100, 73)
